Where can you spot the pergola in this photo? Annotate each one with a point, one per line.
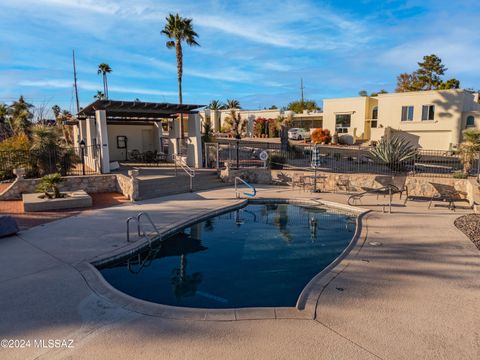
(125, 112)
(93, 121)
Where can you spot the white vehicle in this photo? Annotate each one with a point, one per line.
(298, 134)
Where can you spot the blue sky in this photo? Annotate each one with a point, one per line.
(254, 51)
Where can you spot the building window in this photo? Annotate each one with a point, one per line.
(407, 113)
(342, 122)
(470, 122)
(428, 112)
(374, 121)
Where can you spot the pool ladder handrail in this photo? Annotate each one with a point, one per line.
(140, 231)
(237, 195)
(178, 160)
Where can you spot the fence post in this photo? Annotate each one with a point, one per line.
(83, 160)
(205, 146)
(218, 157)
(238, 153)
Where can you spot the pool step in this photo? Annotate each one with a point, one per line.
(156, 187)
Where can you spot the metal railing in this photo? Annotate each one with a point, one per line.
(339, 159)
(140, 231)
(180, 161)
(250, 186)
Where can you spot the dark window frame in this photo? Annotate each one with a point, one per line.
(428, 112)
(343, 125)
(408, 112)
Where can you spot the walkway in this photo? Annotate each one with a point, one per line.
(415, 296)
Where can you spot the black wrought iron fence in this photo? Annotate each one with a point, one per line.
(66, 161)
(340, 159)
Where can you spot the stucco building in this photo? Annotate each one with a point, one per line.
(430, 119)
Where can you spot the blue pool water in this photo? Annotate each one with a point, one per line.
(260, 255)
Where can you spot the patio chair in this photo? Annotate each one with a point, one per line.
(391, 185)
(446, 193)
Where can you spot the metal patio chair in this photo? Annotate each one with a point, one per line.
(390, 185)
(446, 193)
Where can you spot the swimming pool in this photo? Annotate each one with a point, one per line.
(260, 255)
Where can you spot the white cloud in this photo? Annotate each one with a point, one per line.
(62, 84)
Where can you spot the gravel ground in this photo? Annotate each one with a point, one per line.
(470, 226)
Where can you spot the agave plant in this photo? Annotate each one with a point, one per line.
(394, 152)
(49, 183)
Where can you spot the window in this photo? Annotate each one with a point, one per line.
(342, 122)
(470, 122)
(374, 121)
(407, 113)
(428, 112)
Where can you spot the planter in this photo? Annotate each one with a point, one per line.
(75, 199)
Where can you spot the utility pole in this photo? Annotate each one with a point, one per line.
(75, 81)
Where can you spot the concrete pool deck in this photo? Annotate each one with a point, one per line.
(415, 296)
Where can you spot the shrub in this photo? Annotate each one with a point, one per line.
(15, 143)
(321, 136)
(468, 149)
(50, 183)
(459, 175)
(395, 153)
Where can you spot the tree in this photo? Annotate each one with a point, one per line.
(5, 130)
(179, 29)
(216, 105)
(363, 93)
(56, 111)
(233, 104)
(407, 82)
(427, 77)
(273, 107)
(104, 69)
(235, 123)
(99, 95)
(299, 105)
(20, 116)
(383, 91)
(430, 72)
(450, 84)
(468, 149)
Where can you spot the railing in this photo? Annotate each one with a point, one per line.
(140, 231)
(179, 161)
(250, 186)
(341, 159)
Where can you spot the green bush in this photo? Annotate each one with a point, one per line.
(459, 175)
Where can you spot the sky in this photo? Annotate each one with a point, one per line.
(252, 51)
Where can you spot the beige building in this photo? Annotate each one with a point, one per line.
(430, 119)
(309, 119)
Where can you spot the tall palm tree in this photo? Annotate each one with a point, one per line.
(179, 29)
(99, 95)
(104, 69)
(216, 105)
(233, 104)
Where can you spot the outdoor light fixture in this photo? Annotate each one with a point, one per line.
(82, 144)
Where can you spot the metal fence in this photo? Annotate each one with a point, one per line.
(338, 159)
(66, 161)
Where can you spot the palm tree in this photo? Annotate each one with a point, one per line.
(104, 69)
(99, 95)
(56, 111)
(233, 104)
(20, 116)
(216, 105)
(179, 29)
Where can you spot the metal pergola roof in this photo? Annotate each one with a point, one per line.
(137, 110)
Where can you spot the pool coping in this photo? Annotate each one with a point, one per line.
(305, 308)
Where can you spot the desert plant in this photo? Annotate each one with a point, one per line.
(469, 148)
(49, 183)
(393, 152)
(459, 175)
(235, 123)
(321, 136)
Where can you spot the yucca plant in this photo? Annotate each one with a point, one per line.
(469, 148)
(49, 183)
(394, 152)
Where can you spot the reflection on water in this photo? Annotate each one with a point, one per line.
(260, 255)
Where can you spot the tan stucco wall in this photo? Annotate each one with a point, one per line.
(358, 107)
(134, 135)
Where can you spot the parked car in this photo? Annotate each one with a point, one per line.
(298, 134)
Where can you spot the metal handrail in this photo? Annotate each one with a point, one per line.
(140, 231)
(183, 165)
(246, 184)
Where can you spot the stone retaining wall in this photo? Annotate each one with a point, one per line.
(91, 184)
(417, 186)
